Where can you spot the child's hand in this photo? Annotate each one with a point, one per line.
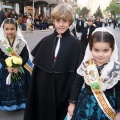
(117, 117)
(10, 69)
(71, 108)
(15, 70)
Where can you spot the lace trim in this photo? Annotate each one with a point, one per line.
(17, 46)
(108, 79)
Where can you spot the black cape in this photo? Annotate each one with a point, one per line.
(51, 81)
(79, 28)
(98, 23)
(84, 37)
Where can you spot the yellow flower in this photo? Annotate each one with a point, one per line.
(17, 60)
(9, 62)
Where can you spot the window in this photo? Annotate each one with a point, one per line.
(7, 3)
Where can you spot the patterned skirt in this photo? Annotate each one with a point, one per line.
(87, 107)
(13, 96)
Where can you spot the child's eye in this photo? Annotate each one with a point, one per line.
(65, 20)
(57, 20)
(6, 28)
(96, 50)
(106, 50)
(12, 28)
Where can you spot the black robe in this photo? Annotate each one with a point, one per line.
(98, 24)
(79, 28)
(85, 38)
(51, 81)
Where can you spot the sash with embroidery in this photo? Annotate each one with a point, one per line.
(11, 52)
(96, 89)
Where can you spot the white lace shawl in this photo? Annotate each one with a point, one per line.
(18, 45)
(108, 80)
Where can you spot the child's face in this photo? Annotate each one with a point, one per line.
(101, 52)
(61, 25)
(10, 30)
(90, 23)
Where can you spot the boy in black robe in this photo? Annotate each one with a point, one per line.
(79, 27)
(98, 23)
(87, 31)
(56, 59)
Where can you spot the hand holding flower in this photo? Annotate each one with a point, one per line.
(10, 69)
(15, 70)
(14, 67)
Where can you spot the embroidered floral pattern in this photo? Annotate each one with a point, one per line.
(108, 81)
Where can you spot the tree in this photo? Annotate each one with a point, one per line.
(98, 12)
(84, 12)
(113, 8)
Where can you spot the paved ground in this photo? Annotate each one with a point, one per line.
(116, 33)
(33, 39)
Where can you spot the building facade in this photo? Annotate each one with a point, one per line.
(7, 5)
(26, 6)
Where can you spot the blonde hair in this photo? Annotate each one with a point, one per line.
(63, 11)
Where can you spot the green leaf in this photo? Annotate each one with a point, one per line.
(22, 70)
(9, 49)
(95, 86)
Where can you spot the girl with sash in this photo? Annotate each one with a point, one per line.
(99, 97)
(13, 93)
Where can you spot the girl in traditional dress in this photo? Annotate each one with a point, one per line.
(13, 90)
(102, 102)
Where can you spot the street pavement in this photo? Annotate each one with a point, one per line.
(32, 40)
(116, 33)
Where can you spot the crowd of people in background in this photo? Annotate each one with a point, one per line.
(82, 25)
(40, 22)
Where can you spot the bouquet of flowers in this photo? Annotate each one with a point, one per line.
(14, 62)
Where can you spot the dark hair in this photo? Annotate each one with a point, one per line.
(100, 36)
(10, 21)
